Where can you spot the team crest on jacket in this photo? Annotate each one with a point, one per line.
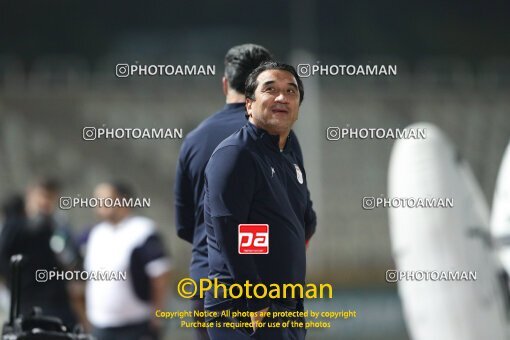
(299, 174)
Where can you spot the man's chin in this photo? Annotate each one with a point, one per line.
(282, 125)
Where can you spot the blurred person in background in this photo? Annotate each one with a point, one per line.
(32, 227)
(12, 207)
(195, 153)
(123, 241)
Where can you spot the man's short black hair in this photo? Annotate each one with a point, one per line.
(49, 184)
(123, 189)
(252, 83)
(240, 61)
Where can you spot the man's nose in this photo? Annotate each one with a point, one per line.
(281, 98)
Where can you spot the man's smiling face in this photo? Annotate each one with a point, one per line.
(276, 104)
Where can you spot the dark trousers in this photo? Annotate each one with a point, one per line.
(262, 333)
(139, 331)
(200, 332)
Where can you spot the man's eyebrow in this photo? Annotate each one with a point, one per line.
(269, 82)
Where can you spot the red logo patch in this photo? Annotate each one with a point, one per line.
(253, 239)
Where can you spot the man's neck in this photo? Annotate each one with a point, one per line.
(283, 135)
(283, 140)
(118, 219)
(234, 97)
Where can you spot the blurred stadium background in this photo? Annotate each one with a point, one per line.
(57, 75)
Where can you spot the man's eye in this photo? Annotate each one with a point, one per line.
(269, 89)
(291, 91)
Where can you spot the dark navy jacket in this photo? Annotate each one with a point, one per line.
(249, 180)
(195, 152)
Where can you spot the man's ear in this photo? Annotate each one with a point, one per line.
(248, 103)
(224, 82)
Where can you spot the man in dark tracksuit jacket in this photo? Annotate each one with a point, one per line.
(196, 150)
(256, 176)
